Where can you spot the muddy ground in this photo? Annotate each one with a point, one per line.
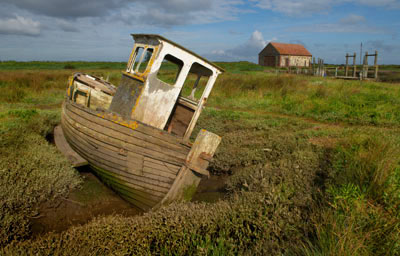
(95, 199)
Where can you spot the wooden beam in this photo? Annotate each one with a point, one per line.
(74, 158)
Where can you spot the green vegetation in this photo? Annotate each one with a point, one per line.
(313, 169)
(367, 103)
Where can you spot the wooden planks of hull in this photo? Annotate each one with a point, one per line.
(133, 163)
(147, 134)
(117, 167)
(122, 141)
(138, 167)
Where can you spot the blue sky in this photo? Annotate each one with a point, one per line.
(221, 30)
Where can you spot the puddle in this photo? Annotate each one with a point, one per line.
(94, 199)
(211, 190)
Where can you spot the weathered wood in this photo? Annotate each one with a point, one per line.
(126, 96)
(135, 164)
(126, 144)
(147, 133)
(150, 186)
(130, 139)
(376, 65)
(198, 169)
(187, 103)
(126, 191)
(119, 167)
(181, 117)
(202, 102)
(160, 167)
(96, 83)
(187, 180)
(366, 65)
(74, 158)
(141, 178)
(121, 143)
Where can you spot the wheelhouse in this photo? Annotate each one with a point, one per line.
(176, 84)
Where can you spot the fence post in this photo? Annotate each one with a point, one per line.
(366, 65)
(376, 65)
(347, 65)
(313, 66)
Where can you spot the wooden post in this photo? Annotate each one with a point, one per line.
(200, 106)
(195, 88)
(313, 66)
(376, 65)
(354, 65)
(194, 169)
(61, 143)
(366, 65)
(322, 68)
(347, 65)
(336, 71)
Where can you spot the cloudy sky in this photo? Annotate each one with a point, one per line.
(221, 30)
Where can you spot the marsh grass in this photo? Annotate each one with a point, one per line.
(299, 183)
(362, 212)
(326, 100)
(266, 216)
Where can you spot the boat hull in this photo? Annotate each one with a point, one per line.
(140, 162)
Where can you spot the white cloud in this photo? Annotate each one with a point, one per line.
(350, 24)
(294, 7)
(66, 26)
(352, 19)
(306, 7)
(177, 12)
(385, 3)
(20, 26)
(246, 51)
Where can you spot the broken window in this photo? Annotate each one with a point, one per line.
(140, 59)
(136, 58)
(170, 69)
(146, 59)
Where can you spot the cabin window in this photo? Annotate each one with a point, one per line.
(136, 58)
(195, 82)
(145, 61)
(141, 59)
(170, 69)
(188, 100)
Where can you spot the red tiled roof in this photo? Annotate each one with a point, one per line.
(291, 49)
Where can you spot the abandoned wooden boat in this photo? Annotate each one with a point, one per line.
(136, 136)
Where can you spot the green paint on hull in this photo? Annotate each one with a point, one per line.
(111, 180)
(189, 191)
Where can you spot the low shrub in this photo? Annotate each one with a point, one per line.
(31, 171)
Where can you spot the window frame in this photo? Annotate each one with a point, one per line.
(178, 74)
(133, 59)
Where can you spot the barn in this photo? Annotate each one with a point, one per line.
(284, 55)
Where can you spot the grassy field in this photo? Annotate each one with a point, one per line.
(313, 169)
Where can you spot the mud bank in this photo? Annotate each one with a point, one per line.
(95, 199)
